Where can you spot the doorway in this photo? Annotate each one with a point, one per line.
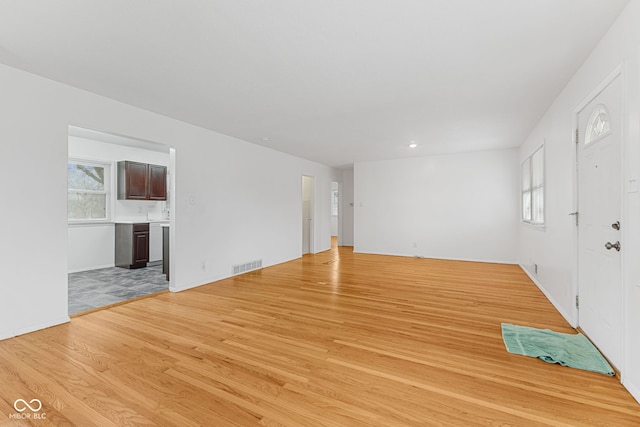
(307, 214)
(336, 214)
(599, 189)
(95, 211)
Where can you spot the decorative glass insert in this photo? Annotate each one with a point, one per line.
(599, 124)
(87, 186)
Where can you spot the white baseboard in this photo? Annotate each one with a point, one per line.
(567, 316)
(6, 334)
(179, 288)
(44, 325)
(94, 267)
(487, 261)
(632, 389)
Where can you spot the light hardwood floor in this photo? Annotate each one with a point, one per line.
(333, 339)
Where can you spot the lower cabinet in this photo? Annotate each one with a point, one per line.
(132, 245)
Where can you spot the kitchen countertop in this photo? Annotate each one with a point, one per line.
(141, 221)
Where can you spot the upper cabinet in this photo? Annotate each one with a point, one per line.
(141, 181)
(157, 182)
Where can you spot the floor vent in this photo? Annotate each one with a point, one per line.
(247, 266)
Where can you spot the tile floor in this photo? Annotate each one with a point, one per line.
(97, 288)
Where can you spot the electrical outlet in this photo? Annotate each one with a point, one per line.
(415, 245)
(203, 265)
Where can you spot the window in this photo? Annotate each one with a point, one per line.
(334, 202)
(599, 125)
(88, 190)
(533, 188)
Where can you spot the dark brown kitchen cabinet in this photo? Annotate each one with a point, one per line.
(132, 245)
(157, 182)
(141, 181)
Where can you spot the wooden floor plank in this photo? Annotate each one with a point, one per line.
(332, 339)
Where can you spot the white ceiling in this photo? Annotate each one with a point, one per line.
(335, 81)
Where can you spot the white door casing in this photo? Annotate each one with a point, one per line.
(599, 183)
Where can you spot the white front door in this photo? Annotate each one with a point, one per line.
(599, 208)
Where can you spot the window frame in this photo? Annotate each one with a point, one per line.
(108, 193)
(534, 182)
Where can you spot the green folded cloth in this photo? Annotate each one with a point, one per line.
(574, 350)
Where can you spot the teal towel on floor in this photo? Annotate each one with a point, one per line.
(573, 350)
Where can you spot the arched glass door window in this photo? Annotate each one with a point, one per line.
(599, 125)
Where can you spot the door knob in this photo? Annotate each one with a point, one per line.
(616, 225)
(615, 246)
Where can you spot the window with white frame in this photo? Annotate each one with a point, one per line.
(533, 188)
(88, 190)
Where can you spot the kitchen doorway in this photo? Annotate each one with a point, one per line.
(99, 209)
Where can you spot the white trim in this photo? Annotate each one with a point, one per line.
(6, 334)
(534, 226)
(93, 267)
(172, 219)
(340, 213)
(485, 261)
(594, 93)
(43, 325)
(623, 210)
(632, 389)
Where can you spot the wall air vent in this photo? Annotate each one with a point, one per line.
(246, 267)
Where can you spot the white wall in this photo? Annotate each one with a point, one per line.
(235, 201)
(461, 206)
(90, 246)
(554, 248)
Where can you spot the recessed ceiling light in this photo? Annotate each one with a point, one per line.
(413, 144)
(265, 139)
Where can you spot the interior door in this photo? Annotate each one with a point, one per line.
(307, 214)
(599, 207)
(306, 226)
